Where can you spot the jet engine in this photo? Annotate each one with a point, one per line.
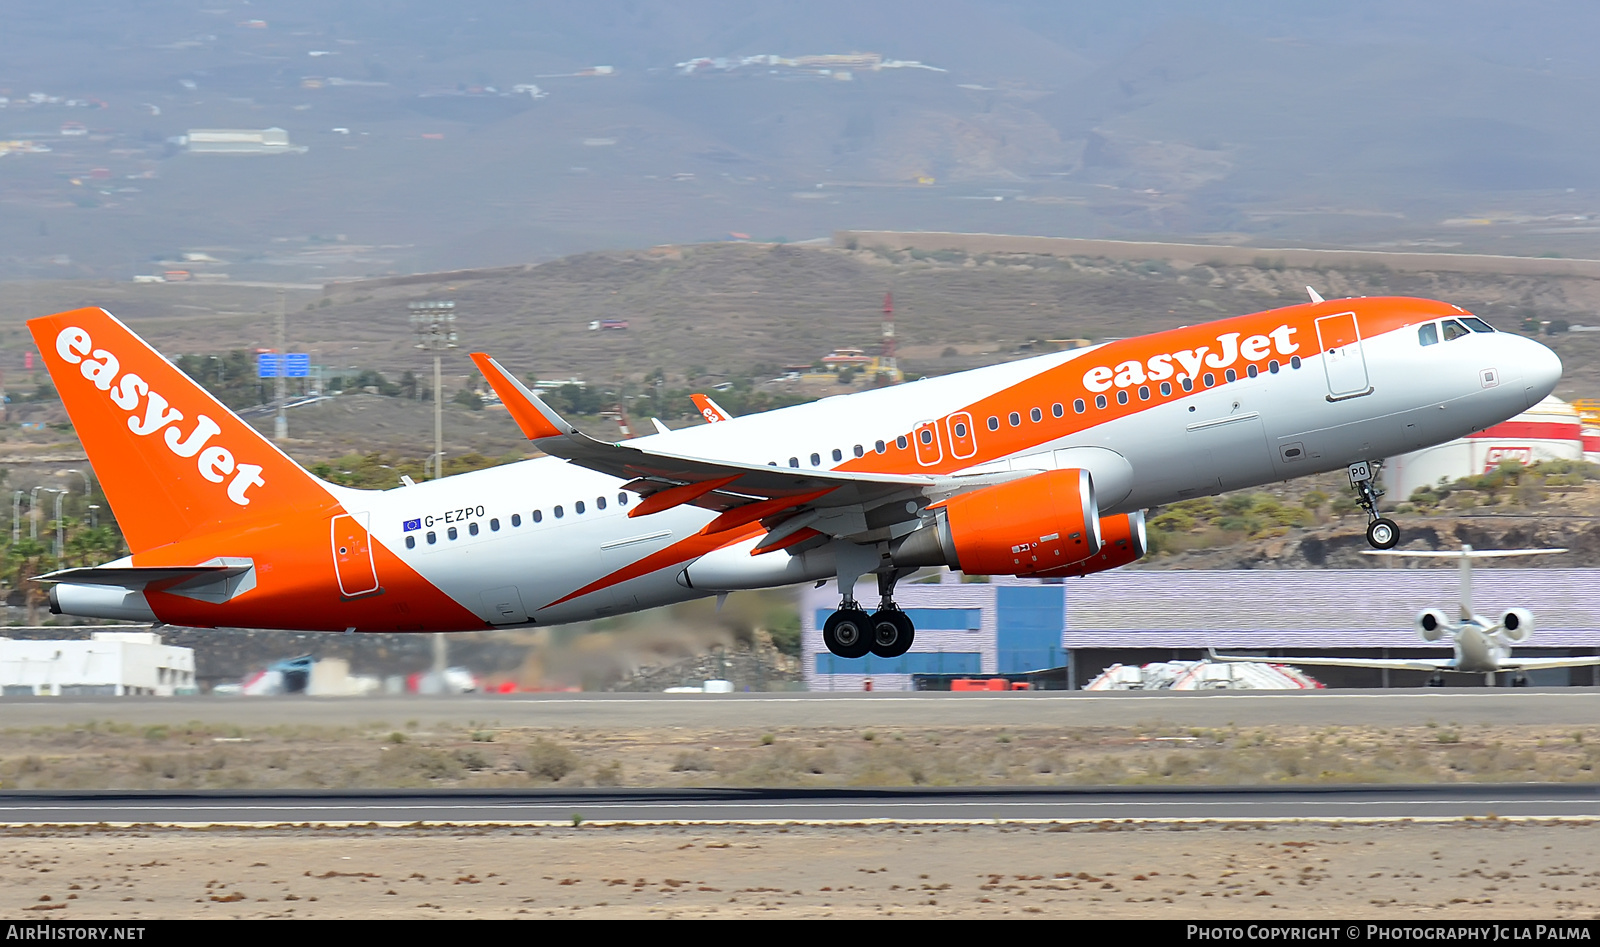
(1025, 527)
(1122, 540)
(1517, 624)
(1432, 624)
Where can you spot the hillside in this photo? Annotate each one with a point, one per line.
(713, 313)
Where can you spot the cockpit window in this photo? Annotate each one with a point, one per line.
(1476, 324)
(1453, 330)
(1428, 334)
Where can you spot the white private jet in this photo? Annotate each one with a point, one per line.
(1482, 645)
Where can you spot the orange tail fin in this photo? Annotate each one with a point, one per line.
(173, 461)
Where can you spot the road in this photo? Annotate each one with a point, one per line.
(986, 805)
(1509, 707)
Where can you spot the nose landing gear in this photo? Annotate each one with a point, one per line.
(1382, 532)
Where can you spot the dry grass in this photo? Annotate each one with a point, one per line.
(101, 755)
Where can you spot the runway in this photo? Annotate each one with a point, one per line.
(808, 806)
(1419, 707)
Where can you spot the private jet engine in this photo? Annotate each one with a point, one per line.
(1122, 540)
(1432, 624)
(1517, 624)
(1025, 527)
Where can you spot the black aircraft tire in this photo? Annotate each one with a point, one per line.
(901, 636)
(848, 633)
(1383, 533)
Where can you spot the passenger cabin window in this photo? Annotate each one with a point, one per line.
(838, 454)
(1100, 401)
(452, 533)
(472, 529)
(858, 450)
(411, 542)
(516, 519)
(1078, 405)
(1166, 388)
(538, 516)
(558, 511)
(494, 524)
(901, 442)
(880, 447)
(925, 436)
(578, 507)
(599, 503)
(1036, 415)
(816, 460)
(794, 461)
(994, 423)
(1014, 418)
(1428, 334)
(1122, 396)
(622, 499)
(1454, 330)
(1476, 324)
(432, 537)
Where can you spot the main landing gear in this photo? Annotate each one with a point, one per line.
(887, 633)
(1382, 533)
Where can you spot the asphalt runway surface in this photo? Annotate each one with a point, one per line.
(1416, 707)
(813, 806)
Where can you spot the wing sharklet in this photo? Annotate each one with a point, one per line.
(533, 416)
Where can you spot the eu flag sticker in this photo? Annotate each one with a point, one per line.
(413, 525)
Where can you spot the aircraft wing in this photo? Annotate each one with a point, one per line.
(1395, 664)
(743, 492)
(1538, 664)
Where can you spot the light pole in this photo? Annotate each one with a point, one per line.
(94, 516)
(61, 529)
(434, 325)
(33, 510)
(88, 485)
(16, 516)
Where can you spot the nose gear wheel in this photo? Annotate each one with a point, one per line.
(1382, 532)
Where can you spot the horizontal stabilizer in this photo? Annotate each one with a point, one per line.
(216, 581)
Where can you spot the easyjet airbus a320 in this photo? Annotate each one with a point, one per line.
(1039, 467)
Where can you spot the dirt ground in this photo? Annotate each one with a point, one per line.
(1499, 869)
(416, 754)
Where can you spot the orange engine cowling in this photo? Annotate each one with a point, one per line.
(1023, 527)
(1122, 540)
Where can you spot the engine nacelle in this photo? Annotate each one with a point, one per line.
(1025, 527)
(1122, 540)
(1432, 624)
(1517, 624)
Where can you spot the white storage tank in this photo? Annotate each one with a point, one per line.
(1550, 430)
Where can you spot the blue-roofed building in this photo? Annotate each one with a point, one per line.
(1011, 626)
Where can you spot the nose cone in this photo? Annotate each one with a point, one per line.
(1541, 369)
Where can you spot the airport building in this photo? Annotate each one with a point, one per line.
(110, 663)
(1013, 626)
